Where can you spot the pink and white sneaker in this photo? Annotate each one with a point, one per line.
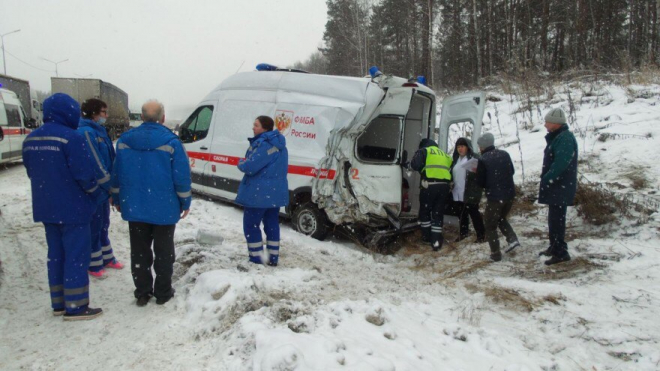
(100, 274)
(115, 265)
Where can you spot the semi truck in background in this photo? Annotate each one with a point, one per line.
(29, 102)
(115, 98)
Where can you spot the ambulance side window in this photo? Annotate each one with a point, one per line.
(380, 140)
(3, 114)
(13, 115)
(196, 127)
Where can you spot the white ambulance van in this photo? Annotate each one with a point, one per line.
(346, 137)
(12, 127)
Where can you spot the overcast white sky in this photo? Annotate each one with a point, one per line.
(171, 50)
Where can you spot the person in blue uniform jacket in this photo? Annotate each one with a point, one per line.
(151, 187)
(64, 197)
(264, 189)
(94, 114)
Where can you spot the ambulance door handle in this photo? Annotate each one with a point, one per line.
(204, 148)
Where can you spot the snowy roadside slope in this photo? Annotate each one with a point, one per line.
(333, 305)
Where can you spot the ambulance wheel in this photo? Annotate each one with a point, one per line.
(311, 221)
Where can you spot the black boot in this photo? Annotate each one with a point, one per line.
(546, 252)
(558, 259)
(143, 300)
(496, 256)
(88, 313)
(163, 300)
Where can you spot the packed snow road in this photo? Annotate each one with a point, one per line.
(333, 305)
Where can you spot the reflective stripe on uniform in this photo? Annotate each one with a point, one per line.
(57, 139)
(108, 256)
(78, 291)
(114, 190)
(56, 288)
(123, 146)
(96, 254)
(96, 263)
(57, 300)
(166, 148)
(104, 180)
(184, 194)
(272, 150)
(92, 189)
(436, 167)
(255, 244)
(273, 243)
(273, 251)
(77, 303)
(255, 253)
(106, 248)
(96, 157)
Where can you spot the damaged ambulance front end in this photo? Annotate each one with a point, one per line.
(372, 192)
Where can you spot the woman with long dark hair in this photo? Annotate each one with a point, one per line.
(466, 194)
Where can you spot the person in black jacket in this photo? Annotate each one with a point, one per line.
(466, 193)
(495, 174)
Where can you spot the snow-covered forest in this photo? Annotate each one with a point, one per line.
(456, 43)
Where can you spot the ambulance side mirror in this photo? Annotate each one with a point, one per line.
(2, 134)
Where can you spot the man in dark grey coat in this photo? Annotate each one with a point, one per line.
(495, 174)
(558, 182)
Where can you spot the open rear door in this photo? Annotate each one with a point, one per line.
(467, 107)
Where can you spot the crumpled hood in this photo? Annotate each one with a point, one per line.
(148, 136)
(94, 125)
(61, 109)
(426, 142)
(274, 137)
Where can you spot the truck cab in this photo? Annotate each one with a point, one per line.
(12, 127)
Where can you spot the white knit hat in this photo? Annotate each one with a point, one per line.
(556, 116)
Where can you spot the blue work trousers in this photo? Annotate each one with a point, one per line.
(101, 247)
(68, 259)
(252, 220)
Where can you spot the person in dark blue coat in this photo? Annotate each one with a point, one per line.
(495, 174)
(558, 182)
(264, 189)
(151, 186)
(64, 197)
(94, 114)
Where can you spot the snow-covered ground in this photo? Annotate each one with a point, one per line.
(333, 305)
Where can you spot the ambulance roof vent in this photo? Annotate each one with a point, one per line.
(270, 67)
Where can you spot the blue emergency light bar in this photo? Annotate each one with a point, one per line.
(266, 67)
(374, 72)
(421, 80)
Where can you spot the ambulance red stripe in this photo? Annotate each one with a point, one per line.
(293, 169)
(16, 131)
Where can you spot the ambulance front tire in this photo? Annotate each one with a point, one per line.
(310, 221)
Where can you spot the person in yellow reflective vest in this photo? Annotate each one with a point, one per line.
(433, 165)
